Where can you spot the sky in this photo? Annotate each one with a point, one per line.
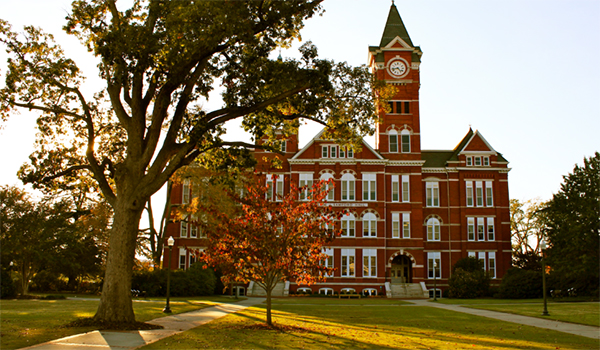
(525, 73)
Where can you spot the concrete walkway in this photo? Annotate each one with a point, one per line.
(577, 329)
(134, 339)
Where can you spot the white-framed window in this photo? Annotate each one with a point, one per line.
(201, 233)
(183, 231)
(471, 229)
(395, 225)
(342, 152)
(405, 225)
(481, 256)
(469, 193)
(405, 189)
(333, 151)
(434, 265)
(185, 192)
(433, 229)
(486, 161)
(405, 139)
(469, 161)
(347, 263)
(182, 258)
(330, 187)
(477, 161)
(306, 179)
(491, 236)
(348, 225)
(393, 137)
(324, 151)
(350, 153)
(492, 264)
(274, 190)
(472, 255)
(283, 146)
(479, 193)
(329, 261)
(480, 229)
(193, 230)
(395, 188)
(369, 225)
(489, 194)
(348, 187)
(369, 262)
(432, 193)
(369, 187)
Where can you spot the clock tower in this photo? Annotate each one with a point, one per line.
(396, 61)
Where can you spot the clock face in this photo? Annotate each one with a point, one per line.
(397, 68)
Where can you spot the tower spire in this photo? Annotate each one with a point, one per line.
(394, 27)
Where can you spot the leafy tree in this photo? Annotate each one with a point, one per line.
(573, 228)
(468, 279)
(271, 241)
(526, 226)
(160, 61)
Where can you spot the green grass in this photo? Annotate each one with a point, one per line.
(29, 322)
(320, 326)
(336, 301)
(488, 301)
(582, 313)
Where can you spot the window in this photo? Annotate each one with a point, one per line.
(477, 161)
(369, 225)
(489, 197)
(405, 189)
(185, 191)
(350, 153)
(369, 262)
(432, 194)
(305, 180)
(324, 151)
(330, 187)
(434, 265)
(472, 255)
(393, 136)
(395, 225)
(342, 152)
(184, 229)
(348, 223)
(471, 229)
(283, 146)
(479, 193)
(405, 225)
(192, 259)
(347, 187)
(481, 256)
(193, 230)
(405, 138)
(347, 263)
(369, 187)
(406, 107)
(329, 261)
(480, 231)
(278, 193)
(490, 229)
(469, 161)
(486, 161)
(492, 264)
(182, 258)
(433, 229)
(395, 189)
(333, 152)
(469, 193)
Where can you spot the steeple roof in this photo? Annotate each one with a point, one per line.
(394, 27)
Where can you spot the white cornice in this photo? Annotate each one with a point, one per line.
(405, 162)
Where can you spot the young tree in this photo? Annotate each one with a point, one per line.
(160, 60)
(270, 241)
(573, 228)
(526, 225)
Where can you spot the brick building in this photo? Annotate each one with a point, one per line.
(414, 212)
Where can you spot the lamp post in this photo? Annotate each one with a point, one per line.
(543, 246)
(435, 265)
(170, 243)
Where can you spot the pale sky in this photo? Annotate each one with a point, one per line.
(525, 73)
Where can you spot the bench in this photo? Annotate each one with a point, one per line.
(349, 295)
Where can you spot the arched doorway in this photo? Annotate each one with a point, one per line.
(401, 269)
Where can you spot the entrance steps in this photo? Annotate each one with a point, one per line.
(406, 290)
(280, 290)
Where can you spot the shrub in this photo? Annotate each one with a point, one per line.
(521, 284)
(468, 280)
(46, 281)
(195, 281)
(7, 285)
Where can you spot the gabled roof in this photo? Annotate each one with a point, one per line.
(318, 137)
(394, 27)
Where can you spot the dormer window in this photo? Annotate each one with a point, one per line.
(486, 161)
(283, 146)
(335, 151)
(477, 161)
(469, 161)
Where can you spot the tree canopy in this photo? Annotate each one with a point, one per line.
(160, 60)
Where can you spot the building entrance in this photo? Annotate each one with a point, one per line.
(401, 271)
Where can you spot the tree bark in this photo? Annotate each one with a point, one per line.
(115, 302)
(269, 321)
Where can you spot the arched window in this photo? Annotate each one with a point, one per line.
(348, 187)
(393, 136)
(326, 177)
(405, 138)
(433, 229)
(348, 225)
(369, 225)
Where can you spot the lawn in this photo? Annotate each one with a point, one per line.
(320, 325)
(336, 301)
(29, 322)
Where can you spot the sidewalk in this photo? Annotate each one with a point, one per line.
(577, 329)
(133, 339)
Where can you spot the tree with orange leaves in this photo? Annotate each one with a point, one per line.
(269, 241)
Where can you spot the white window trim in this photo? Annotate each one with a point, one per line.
(369, 182)
(405, 189)
(434, 272)
(370, 263)
(350, 264)
(405, 225)
(396, 190)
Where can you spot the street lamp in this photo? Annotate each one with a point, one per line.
(435, 265)
(170, 243)
(543, 246)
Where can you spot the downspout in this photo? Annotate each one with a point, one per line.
(449, 225)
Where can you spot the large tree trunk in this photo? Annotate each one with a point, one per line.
(115, 302)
